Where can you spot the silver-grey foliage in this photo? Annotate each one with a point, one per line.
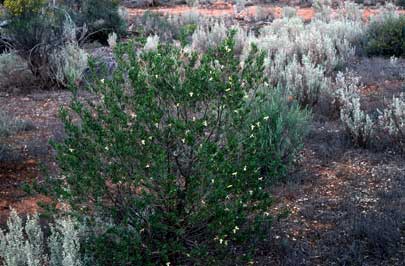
(25, 245)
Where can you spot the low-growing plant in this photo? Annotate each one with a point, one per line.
(305, 81)
(153, 23)
(280, 125)
(239, 5)
(100, 17)
(400, 3)
(263, 14)
(34, 32)
(24, 244)
(10, 125)
(359, 126)
(168, 28)
(23, 7)
(68, 64)
(378, 234)
(14, 72)
(392, 120)
(178, 154)
(112, 40)
(152, 43)
(45, 36)
(192, 3)
(288, 12)
(209, 35)
(304, 56)
(346, 86)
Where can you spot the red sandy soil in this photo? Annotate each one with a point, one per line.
(220, 9)
(31, 148)
(226, 9)
(13, 176)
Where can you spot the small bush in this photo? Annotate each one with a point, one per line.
(23, 245)
(239, 5)
(400, 3)
(280, 126)
(358, 124)
(392, 121)
(36, 34)
(168, 28)
(9, 125)
(112, 40)
(152, 23)
(380, 234)
(14, 72)
(288, 12)
(209, 35)
(178, 153)
(303, 56)
(347, 86)
(386, 35)
(45, 37)
(151, 43)
(263, 14)
(68, 64)
(101, 17)
(23, 7)
(305, 81)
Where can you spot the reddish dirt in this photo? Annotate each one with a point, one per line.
(29, 150)
(225, 9)
(221, 9)
(13, 176)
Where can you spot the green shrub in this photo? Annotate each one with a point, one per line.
(400, 3)
(280, 127)
(26, 26)
(386, 36)
(101, 17)
(35, 35)
(23, 7)
(44, 36)
(178, 154)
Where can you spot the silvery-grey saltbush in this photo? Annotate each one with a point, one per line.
(112, 40)
(310, 52)
(24, 245)
(68, 63)
(211, 33)
(14, 71)
(358, 124)
(288, 12)
(152, 43)
(305, 81)
(10, 125)
(346, 87)
(392, 120)
(208, 35)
